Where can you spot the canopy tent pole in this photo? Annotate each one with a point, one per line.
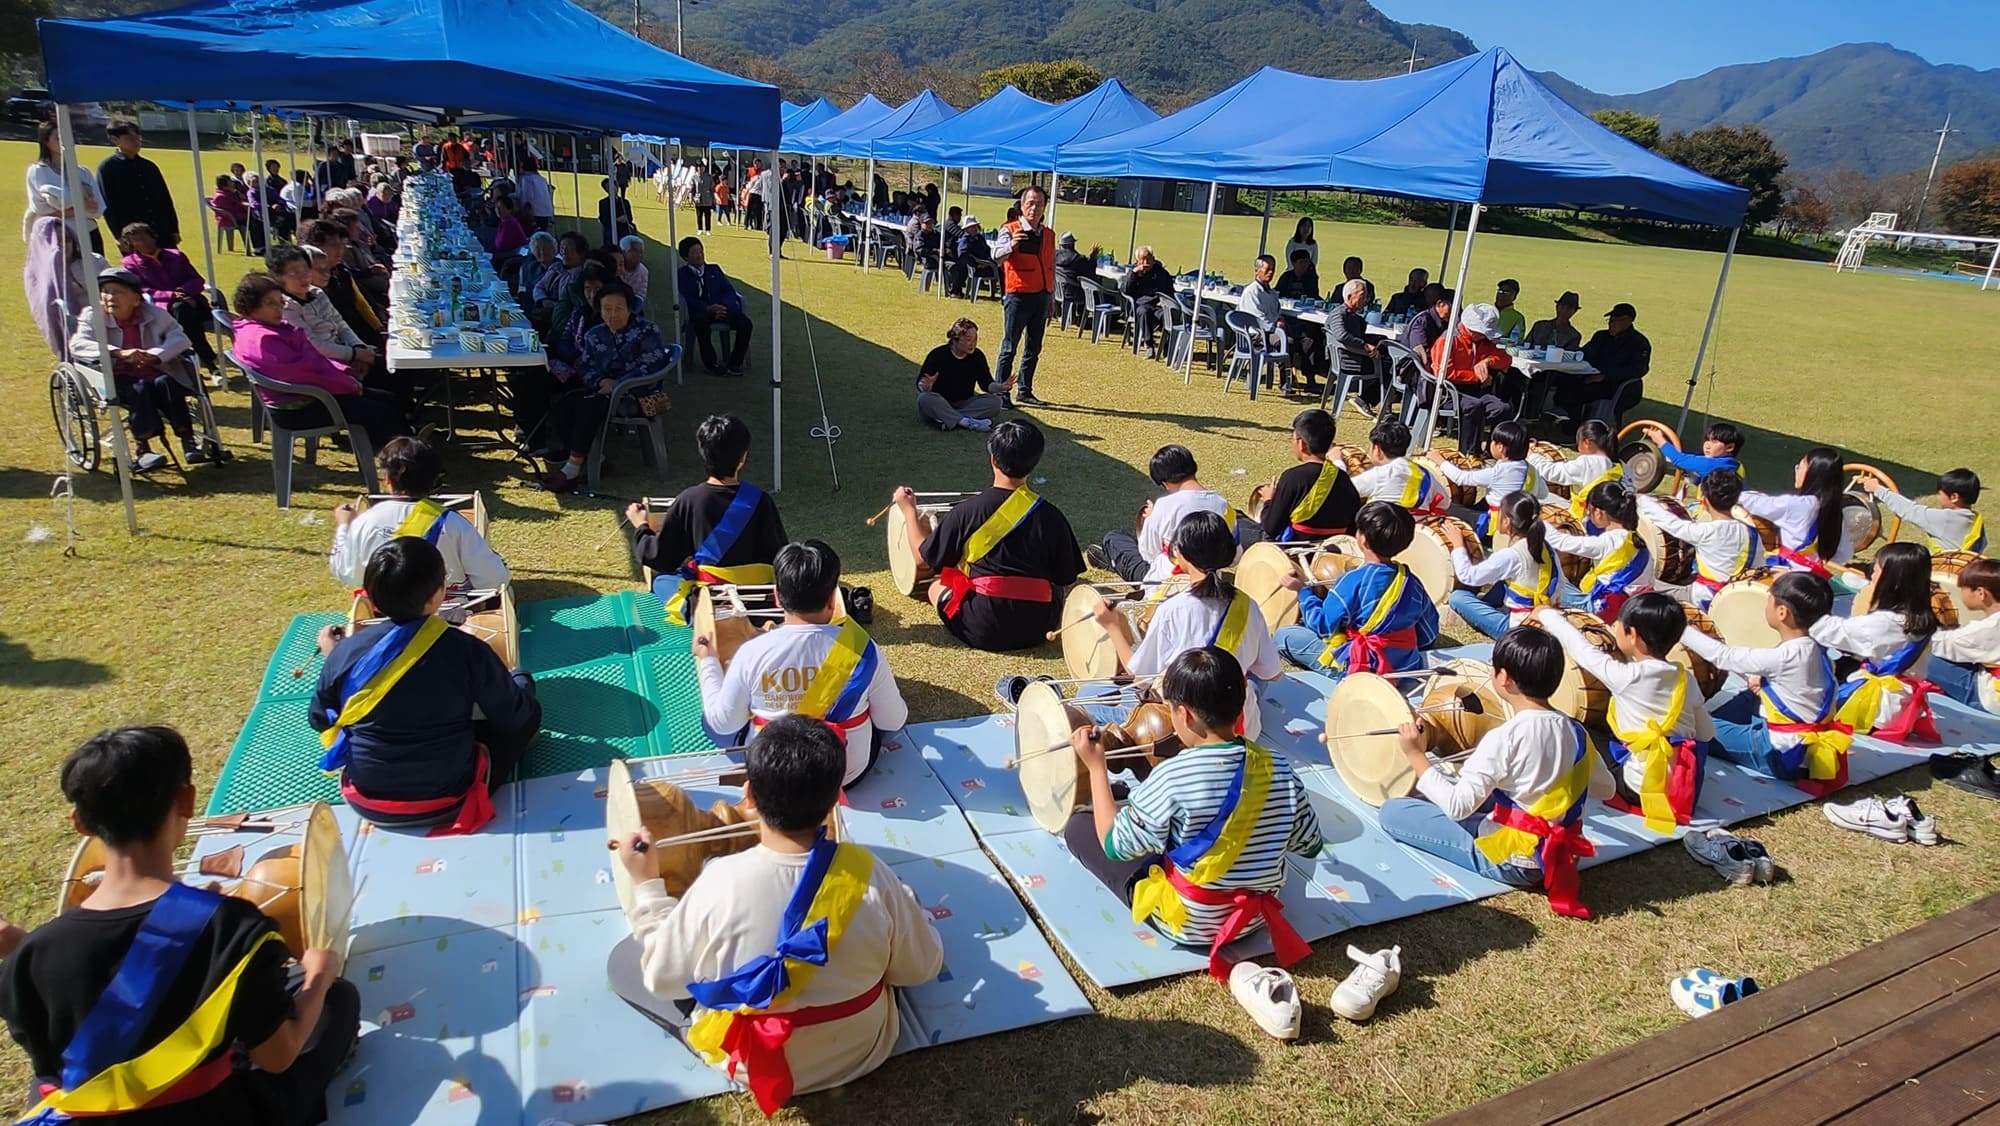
(263, 174)
(207, 243)
(1708, 330)
(1200, 277)
(965, 185)
(1451, 326)
(1264, 236)
(868, 211)
(777, 354)
(937, 221)
(611, 207)
(292, 173)
(1132, 246)
(576, 180)
(1055, 181)
(73, 189)
(1444, 264)
(1990, 266)
(673, 242)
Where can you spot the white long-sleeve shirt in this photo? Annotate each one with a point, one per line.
(1524, 757)
(1185, 622)
(1722, 548)
(1948, 528)
(1389, 480)
(468, 559)
(1797, 518)
(1509, 564)
(732, 913)
(1642, 690)
(324, 326)
(1796, 670)
(1596, 548)
(48, 195)
(1572, 473)
(1873, 636)
(1977, 644)
(1498, 479)
(1156, 533)
(769, 675)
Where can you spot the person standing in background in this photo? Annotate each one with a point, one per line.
(1027, 257)
(134, 190)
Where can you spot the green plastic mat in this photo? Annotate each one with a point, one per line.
(591, 714)
(666, 674)
(574, 631)
(298, 652)
(275, 762)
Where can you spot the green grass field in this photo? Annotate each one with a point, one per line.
(175, 626)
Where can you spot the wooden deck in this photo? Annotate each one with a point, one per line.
(1902, 1033)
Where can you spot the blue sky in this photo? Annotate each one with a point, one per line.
(1640, 44)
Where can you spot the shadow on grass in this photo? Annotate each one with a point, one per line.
(20, 668)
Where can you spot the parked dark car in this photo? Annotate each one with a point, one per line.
(30, 106)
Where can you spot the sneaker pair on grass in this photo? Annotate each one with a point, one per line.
(1701, 991)
(1973, 773)
(1740, 861)
(1272, 998)
(1895, 819)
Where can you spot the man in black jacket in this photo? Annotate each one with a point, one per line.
(1620, 353)
(134, 190)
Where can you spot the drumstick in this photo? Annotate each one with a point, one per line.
(338, 633)
(885, 508)
(1467, 701)
(717, 833)
(1052, 748)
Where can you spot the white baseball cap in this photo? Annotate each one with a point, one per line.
(1482, 318)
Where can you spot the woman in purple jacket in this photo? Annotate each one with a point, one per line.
(282, 351)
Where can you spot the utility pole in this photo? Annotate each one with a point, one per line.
(1414, 57)
(680, 20)
(635, 19)
(1935, 158)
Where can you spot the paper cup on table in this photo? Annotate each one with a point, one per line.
(471, 340)
(496, 342)
(517, 339)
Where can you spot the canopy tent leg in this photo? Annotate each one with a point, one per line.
(1990, 267)
(576, 179)
(1708, 330)
(1200, 276)
(604, 151)
(263, 174)
(292, 158)
(120, 452)
(777, 361)
(1132, 245)
(1444, 264)
(867, 213)
(1264, 236)
(1055, 181)
(1451, 325)
(944, 200)
(673, 248)
(207, 241)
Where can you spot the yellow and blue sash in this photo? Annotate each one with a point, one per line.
(706, 566)
(1712, 581)
(1822, 751)
(425, 520)
(371, 678)
(1419, 488)
(1548, 580)
(1655, 746)
(839, 691)
(1312, 502)
(1860, 700)
(1615, 573)
(1371, 630)
(1233, 624)
(1579, 499)
(1549, 829)
(1975, 537)
(98, 1078)
(1489, 519)
(1210, 854)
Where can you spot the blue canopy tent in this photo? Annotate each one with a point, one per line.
(1480, 130)
(1109, 109)
(815, 140)
(813, 113)
(965, 138)
(413, 60)
(850, 136)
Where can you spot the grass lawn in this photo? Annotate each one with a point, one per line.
(175, 626)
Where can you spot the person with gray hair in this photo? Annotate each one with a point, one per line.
(632, 267)
(1260, 300)
(1347, 331)
(955, 386)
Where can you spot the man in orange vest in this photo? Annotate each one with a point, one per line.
(1027, 257)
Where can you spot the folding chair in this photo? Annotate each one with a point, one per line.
(654, 426)
(283, 437)
(1252, 351)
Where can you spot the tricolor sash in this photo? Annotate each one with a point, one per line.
(1673, 767)
(1187, 870)
(739, 1026)
(838, 694)
(1310, 504)
(1548, 581)
(1709, 580)
(1026, 588)
(706, 565)
(1975, 537)
(1368, 644)
(1861, 700)
(1609, 584)
(1420, 488)
(371, 678)
(1550, 829)
(1490, 519)
(1579, 499)
(425, 520)
(1233, 625)
(1818, 765)
(98, 1078)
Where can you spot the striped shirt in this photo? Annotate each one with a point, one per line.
(1178, 800)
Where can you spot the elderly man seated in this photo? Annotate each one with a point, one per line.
(1480, 371)
(1260, 300)
(1557, 330)
(1148, 285)
(711, 300)
(1620, 353)
(975, 259)
(1347, 331)
(1409, 301)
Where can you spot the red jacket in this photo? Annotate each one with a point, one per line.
(1465, 353)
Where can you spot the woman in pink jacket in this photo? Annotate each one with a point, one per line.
(283, 351)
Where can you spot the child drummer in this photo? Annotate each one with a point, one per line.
(800, 938)
(723, 530)
(413, 471)
(1952, 525)
(1377, 618)
(1207, 826)
(1396, 477)
(108, 998)
(1514, 813)
(809, 665)
(1313, 499)
(1723, 545)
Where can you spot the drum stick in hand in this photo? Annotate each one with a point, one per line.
(1466, 701)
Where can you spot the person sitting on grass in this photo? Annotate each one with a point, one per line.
(955, 388)
(734, 940)
(1377, 618)
(1198, 851)
(149, 366)
(413, 471)
(711, 300)
(154, 1000)
(623, 346)
(420, 719)
(269, 346)
(810, 665)
(1394, 476)
(722, 530)
(1965, 661)
(1514, 811)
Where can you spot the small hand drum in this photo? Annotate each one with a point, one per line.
(1551, 452)
(1260, 574)
(911, 575)
(1645, 466)
(1942, 603)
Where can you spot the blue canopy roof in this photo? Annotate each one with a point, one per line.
(408, 59)
(801, 118)
(1109, 109)
(915, 115)
(1476, 130)
(812, 139)
(966, 138)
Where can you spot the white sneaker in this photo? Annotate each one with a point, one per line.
(975, 424)
(1702, 991)
(1923, 828)
(1873, 816)
(1723, 851)
(1269, 996)
(1375, 976)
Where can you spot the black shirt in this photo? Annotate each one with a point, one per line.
(694, 514)
(1423, 331)
(135, 192)
(1073, 266)
(1336, 514)
(957, 379)
(1403, 301)
(1290, 284)
(417, 743)
(53, 981)
(1628, 355)
(1149, 286)
(1041, 546)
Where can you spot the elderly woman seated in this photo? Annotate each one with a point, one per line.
(530, 266)
(621, 346)
(632, 269)
(281, 351)
(304, 272)
(149, 365)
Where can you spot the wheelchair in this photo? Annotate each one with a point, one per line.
(78, 403)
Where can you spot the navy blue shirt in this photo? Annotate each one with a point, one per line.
(417, 743)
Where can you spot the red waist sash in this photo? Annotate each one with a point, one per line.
(475, 805)
(1562, 846)
(1369, 652)
(1246, 906)
(1019, 588)
(757, 1040)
